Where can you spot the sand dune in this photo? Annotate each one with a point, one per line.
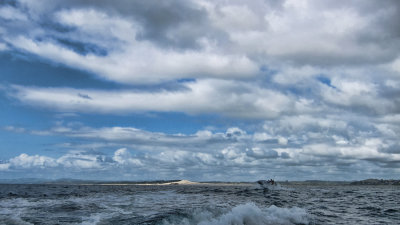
(183, 182)
(180, 182)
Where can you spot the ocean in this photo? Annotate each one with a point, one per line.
(215, 204)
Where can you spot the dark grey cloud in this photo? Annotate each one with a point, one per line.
(392, 148)
(8, 2)
(372, 39)
(169, 24)
(259, 154)
(83, 48)
(85, 96)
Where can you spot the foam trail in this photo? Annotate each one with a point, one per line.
(247, 214)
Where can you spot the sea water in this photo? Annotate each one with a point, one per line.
(198, 204)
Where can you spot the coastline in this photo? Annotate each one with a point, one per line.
(198, 183)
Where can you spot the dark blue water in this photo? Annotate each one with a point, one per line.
(198, 204)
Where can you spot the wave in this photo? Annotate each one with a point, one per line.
(276, 187)
(245, 214)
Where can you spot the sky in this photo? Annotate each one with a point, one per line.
(205, 90)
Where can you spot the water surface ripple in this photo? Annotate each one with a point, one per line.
(198, 204)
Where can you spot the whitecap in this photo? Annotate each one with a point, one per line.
(246, 214)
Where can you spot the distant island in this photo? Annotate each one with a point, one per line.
(376, 182)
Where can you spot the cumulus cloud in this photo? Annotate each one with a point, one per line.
(73, 160)
(311, 146)
(124, 157)
(81, 160)
(25, 161)
(322, 161)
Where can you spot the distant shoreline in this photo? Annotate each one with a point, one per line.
(187, 182)
(376, 182)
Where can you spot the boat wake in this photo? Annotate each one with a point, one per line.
(245, 214)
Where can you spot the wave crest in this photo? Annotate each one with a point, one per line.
(246, 214)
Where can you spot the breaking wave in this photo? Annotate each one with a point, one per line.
(245, 214)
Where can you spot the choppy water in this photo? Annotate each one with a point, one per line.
(165, 205)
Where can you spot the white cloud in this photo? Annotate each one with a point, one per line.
(229, 98)
(288, 142)
(357, 94)
(226, 17)
(261, 153)
(282, 141)
(3, 47)
(293, 75)
(369, 150)
(4, 166)
(142, 63)
(309, 34)
(395, 65)
(210, 159)
(26, 161)
(123, 157)
(130, 60)
(11, 13)
(73, 160)
(79, 160)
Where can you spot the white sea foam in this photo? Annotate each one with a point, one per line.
(11, 210)
(93, 219)
(249, 214)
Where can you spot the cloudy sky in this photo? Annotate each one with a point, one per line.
(202, 89)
